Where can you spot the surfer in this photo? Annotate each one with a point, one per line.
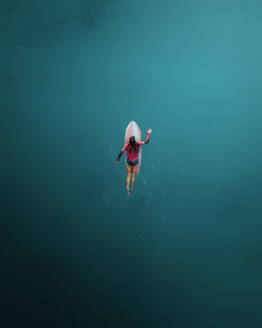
(132, 149)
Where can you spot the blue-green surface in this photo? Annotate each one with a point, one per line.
(185, 250)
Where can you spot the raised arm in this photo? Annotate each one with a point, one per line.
(147, 138)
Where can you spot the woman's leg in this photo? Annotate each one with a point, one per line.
(135, 168)
(128, 177)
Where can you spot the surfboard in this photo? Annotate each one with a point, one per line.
(133, 130)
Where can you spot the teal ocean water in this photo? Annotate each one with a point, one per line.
(185, 249)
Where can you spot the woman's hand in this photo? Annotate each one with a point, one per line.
(149, 131)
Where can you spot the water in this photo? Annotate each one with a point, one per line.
(184, 250)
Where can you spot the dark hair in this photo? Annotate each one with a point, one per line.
(133, 143)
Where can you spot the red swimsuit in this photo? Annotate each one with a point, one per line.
(132, 154)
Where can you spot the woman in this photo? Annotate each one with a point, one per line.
(132, 149)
